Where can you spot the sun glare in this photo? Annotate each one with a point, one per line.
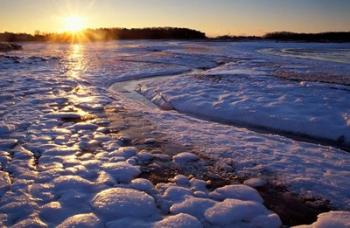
(74, 23)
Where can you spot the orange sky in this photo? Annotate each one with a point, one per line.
(220, 17)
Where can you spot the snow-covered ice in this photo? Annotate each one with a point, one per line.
(336, 219)
(117, 203)
(63, 164)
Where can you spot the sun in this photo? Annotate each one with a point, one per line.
(74, 24)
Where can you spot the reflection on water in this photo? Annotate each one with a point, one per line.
(75, 63)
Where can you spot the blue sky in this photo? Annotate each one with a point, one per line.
(213, 17)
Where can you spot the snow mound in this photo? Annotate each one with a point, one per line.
(6, 144)
(142, 185)
(334, 219)
(125, 152)
(255, 182)
(240, 191)
(5, 182)
(117, 203)
(180, 221)
(175, 193)
(235, 212)
(193, 206)
(185, 158)
(129, 223)
(122, 171)
(30, 222)
(181, 180)
(82, 221)
(65, 183)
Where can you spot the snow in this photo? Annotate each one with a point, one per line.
(126, 152)
(142, 185)
(180, 220)
(181, 180)
(263, 101)
(121, 171)
(66, 183)
(63, 164)
(193, 206)
(185, 157)
(82, 220)
(242, 192)
(336, 219)
(122, 202)
(255, 182)
(235, 212)
(176, 193)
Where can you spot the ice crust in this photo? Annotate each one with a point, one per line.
(60, 167)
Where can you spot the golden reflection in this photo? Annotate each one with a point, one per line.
(76, 64)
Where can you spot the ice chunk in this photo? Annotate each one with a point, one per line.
(185, 157)
(181, 180)
(5, 182)
(122, 171)
(125, 152)
(239, 191)
(142, 185)
(6, 144)
(20, 209)
(117, 203)
(266, 221)
(6, 128)
(82, 221)
(255, 182)
(334, 219)
(144, 157)
(129, 223)
(233, 211)
(84, 126)
(180, 221)
(30, 222)
(53, 212)
(193, 206)
(65, 183)
(176, 193)
(198, 185)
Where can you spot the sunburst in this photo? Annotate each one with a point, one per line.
(74, 24)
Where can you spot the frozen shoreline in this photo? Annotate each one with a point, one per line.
(61, 155)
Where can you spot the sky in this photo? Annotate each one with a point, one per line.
(214, 17)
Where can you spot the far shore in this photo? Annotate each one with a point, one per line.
(5, 47)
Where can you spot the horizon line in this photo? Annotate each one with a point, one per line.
(39, 32)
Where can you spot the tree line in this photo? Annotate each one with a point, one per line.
(105, 34)
(167, 33)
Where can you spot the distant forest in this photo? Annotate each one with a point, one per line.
(167, 33)
(337, 37)
(105, 34)
(310, 37)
